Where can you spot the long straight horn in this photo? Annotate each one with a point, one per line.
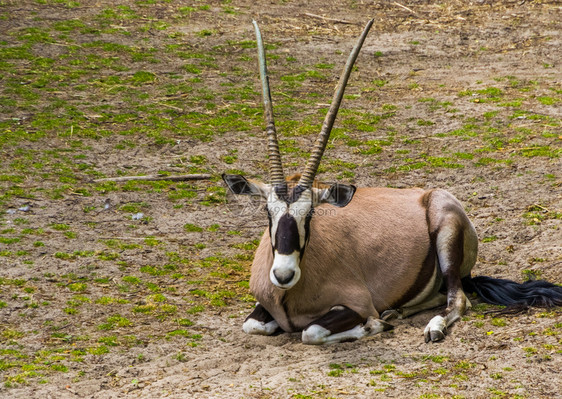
(275, 166)
(309, 173)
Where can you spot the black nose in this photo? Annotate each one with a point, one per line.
(284, 277)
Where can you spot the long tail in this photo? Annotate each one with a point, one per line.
(499, 291)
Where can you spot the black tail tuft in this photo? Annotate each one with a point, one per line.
(499, 291)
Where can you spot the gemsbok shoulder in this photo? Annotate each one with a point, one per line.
(337, 262)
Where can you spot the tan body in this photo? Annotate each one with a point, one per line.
(377, 253)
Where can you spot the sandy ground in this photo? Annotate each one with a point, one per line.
(176, 276)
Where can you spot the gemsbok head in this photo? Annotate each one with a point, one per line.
(334, 258)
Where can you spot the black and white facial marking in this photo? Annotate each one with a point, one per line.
(290, 209)
(289, 213)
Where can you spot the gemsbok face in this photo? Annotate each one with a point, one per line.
(290, 208)
(384, 253)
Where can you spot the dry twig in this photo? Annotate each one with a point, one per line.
(405, 8)
(202, 176)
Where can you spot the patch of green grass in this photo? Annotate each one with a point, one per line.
(540, 151)
(178, 332)
(109, 256)
(131, 280)
(10, 334)
(134, 207)
(120, 245)
(157, 270)
(192, 228)
(118, 13)
(485, 161)
(98, 350)
(301, 77)
(9, 240)
(422, 122)
(442, 162)
(491, 92)
(77, 287)
(324, 66)
(491, 238)
(68, 25)
(464, 365)
(335, 373)
(436, 358)
(216, 195)
(60, 227)
(531, 274)
(336, 370)
(148, 308)
(184, 322)
(143, 77)
(190, 68)
(535, 214)
(339, 164)
(152, 241)
(530, 351)
(110, 340)
(78, 300)
(515, 103)
(499, 322)
(115, 321)
(490, 114)
(546, 100)
(182, 193)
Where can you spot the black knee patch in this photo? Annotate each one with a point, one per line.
(337, 321)
(260, 314)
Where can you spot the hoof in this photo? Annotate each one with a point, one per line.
(390, 314)
(375, 326)
(435, 330)
(434, 336)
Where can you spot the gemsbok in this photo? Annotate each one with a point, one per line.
(337, 262)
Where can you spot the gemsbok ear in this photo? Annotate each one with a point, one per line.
(337, 194)
(238, 184)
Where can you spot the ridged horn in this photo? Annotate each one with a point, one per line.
(309, 173)
(275, 165)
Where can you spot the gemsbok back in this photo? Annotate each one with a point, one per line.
(337, 262)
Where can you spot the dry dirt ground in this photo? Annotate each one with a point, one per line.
(139, 289)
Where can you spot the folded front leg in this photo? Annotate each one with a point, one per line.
(342, 324)
(260, 322)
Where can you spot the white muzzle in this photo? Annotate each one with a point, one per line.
(285, 272)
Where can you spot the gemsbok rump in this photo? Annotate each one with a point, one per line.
(337, 262)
